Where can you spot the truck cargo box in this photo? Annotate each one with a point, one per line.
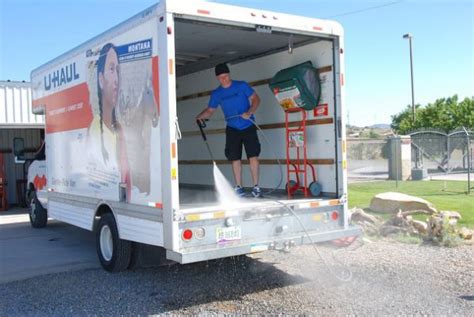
(125, 158)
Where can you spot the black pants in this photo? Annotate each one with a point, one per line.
(236, 138)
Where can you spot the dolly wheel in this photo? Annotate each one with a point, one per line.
(315, 189)
(293, 185)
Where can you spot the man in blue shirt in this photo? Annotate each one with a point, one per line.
(239, 102)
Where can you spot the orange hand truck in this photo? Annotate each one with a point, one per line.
(296, 144)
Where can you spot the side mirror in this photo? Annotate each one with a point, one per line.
(18, 146)
(19, 150)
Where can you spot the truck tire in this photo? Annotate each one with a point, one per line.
(30, 191)
(114, 253)
(135, 257)
(38, 214)
(144, 255)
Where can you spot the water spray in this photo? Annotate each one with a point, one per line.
(224, 190)
(348, 275)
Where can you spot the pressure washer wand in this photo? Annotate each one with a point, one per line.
(202, 124)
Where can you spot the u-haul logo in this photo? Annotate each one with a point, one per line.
(39, 182)
(60, 77)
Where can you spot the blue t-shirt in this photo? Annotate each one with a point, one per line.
(234, 101)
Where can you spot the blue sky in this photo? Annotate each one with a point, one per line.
(377, 58)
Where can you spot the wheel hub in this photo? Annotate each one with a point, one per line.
(33, 210)
(106, 243)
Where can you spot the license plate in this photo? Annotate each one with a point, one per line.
(228, 234)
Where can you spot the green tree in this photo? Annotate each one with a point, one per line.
(445, 114)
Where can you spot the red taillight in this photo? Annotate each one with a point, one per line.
(203, 12)
(187, 234)
(334, 215)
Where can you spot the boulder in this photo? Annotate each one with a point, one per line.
(420, 226)
(451, 214)
(359, 215)
(386, 230)
(465, 233)
(391, 202)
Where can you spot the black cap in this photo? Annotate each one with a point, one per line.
(222, 69)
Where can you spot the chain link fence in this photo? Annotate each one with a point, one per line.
(434, 155)
(437, 152)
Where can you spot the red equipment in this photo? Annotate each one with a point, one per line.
(296, 144)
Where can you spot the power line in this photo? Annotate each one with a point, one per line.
(363, 10)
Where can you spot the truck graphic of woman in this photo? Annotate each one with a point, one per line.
(111, 166)
(108, 83)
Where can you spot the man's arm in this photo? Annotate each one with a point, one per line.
(254, 103)
(206, 113)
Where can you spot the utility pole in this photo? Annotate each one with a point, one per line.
(409, 37)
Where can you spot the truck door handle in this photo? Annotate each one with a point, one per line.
(179, 136)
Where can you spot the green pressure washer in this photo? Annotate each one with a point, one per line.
(297, 87)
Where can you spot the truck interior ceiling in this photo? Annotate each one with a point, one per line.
(200, 45)
(255, 55)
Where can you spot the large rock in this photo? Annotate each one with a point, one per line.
(420, 226)
(359, 215)
(394, 202)
(466, 233)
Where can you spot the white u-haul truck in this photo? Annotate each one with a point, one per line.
(125, 158)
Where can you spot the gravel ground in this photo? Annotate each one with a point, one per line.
(389, 278)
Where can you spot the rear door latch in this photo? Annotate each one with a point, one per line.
(263, 29)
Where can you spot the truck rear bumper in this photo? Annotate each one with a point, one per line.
(197, 254)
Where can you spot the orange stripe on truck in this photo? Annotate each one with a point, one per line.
(171, 66)
(173, 150)
(156, 81)
(68, 109)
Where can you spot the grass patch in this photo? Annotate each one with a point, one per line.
(444, 195)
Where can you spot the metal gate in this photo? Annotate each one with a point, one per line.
(439, 152)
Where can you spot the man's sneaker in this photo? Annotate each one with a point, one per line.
(256, 192)
(239, 191)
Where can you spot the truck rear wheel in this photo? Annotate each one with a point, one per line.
(38, 214)
(114, 253)
(29, 196)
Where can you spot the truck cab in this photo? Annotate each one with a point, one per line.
(36, 186)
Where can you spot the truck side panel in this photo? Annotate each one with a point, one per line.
(103, 119)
